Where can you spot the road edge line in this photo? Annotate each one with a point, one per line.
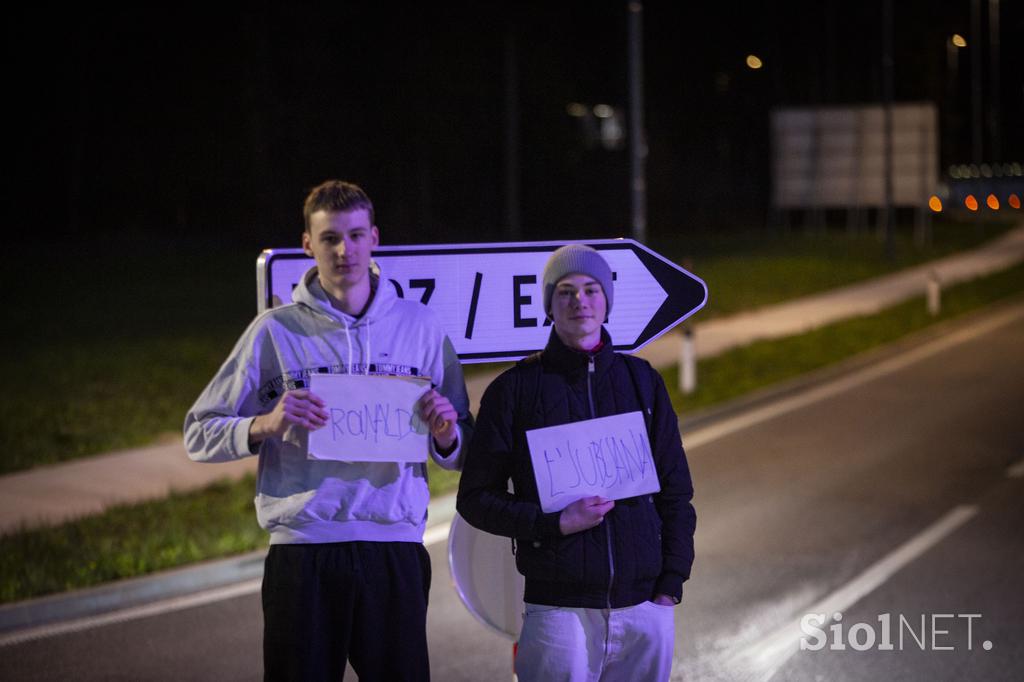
(703, 436)
(132, 613)
(769, 654)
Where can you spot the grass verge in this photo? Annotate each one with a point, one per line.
(131, 540)
(745, 270)
(219, 520)
(126, 341)
(763, 363)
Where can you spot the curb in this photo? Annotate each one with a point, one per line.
(808, 380)
(130, 592)
(176, 582)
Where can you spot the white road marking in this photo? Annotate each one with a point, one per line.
(1016, 470)
(135, 612)
(738, 423)
(431, 536)
(765, 657)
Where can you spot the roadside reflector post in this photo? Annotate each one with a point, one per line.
(934, 294)
(688, 364)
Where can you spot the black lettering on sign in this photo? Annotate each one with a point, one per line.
(398, 288)
(608, 315)
(471, 320)
(520, 299)
(428, 288)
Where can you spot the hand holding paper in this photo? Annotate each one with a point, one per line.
(584, 514)
(438, 413)
(299, 407)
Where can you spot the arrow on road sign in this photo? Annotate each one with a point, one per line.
(489, 297)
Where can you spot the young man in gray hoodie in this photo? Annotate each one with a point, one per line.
(347, 575)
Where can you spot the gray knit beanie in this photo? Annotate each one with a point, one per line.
(576, 258)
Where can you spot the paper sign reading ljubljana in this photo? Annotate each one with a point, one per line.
(372, 419)
(608, 456)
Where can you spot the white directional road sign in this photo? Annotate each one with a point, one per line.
(490, 299)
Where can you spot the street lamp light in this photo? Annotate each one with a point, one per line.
(576, 110)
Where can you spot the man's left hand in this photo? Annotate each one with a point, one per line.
(440, 416)
(664, 600)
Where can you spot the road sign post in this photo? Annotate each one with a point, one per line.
(489, 296)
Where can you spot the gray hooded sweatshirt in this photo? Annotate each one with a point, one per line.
(299, 500)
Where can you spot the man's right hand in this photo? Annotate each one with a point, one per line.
(584, 514)
(299, 407)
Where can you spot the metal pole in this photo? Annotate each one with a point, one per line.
(994, 137)
(888, 213)
(976, 152)
(512, 216)
(637, 140)
(976, 132)
(950, 140)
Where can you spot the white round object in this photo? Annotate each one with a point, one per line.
(483, 570)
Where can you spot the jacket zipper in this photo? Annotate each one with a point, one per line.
(607, 524)
(590, 395)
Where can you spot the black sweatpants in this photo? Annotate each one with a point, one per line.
(361, 601)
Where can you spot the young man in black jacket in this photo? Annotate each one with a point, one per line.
(602, 576)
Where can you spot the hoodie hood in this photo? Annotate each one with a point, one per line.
(308, 292)
(358, 336)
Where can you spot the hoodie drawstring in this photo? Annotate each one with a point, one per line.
(348, 338)
(368, 354)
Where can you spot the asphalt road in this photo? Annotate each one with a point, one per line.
(898, 490)
(797, 509)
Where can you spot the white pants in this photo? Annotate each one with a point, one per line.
(562, 644)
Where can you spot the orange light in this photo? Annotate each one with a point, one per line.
(1014, 201)
(971, 203)
(992, 202)
(935, 204)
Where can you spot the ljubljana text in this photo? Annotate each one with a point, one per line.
(607, 462)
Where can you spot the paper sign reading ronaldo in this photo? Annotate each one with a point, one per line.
(608, 456)
(371, 419)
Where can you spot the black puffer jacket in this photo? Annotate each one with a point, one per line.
(645, 544)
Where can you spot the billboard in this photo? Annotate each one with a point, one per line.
(834, 157)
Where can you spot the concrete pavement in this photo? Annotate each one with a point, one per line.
(52, 494)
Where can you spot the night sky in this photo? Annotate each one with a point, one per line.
(213, 122)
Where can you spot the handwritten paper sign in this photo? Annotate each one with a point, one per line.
(608, 456)
(371, 419)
